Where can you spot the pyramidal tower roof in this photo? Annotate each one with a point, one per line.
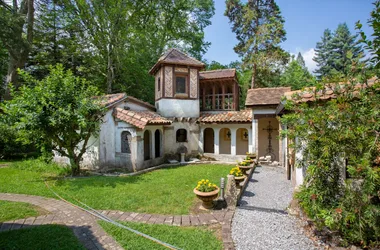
(175, 56)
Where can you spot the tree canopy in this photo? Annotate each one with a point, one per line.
(259, 29)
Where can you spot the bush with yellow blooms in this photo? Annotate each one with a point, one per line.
(205, 186)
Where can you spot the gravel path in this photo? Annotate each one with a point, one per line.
(261, 221)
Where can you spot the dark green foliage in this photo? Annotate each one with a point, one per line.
(323, 55)
(58, 111)
(337, 53)
(329, 133)
(259, 29)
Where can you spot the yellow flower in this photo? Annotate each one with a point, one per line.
(203, 179)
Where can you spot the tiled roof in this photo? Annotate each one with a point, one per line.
(109, 100)
(175, 56)
(309, 94)
(217, 74)
(243, 116)
(265, 96)
(140, 118)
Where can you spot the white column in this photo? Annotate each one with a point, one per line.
(152, 147)
(255, 148)
(216, 140)
(201, 145)
(233, 141)
(250, 146)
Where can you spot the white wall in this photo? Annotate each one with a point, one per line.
(178, 108)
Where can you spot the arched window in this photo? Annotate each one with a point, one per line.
(126, 138)
(181, 135)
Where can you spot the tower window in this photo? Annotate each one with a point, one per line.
(159, 84)
(180, 85)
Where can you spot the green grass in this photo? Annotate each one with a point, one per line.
(181, 237)
(10, 210)
(42, 237)
(164, 191)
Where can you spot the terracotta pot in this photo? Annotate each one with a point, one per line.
(244, 169)
(207, 198)
(238, 180)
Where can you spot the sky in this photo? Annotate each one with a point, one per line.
(305, 21)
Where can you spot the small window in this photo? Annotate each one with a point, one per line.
(180, 87)
(126, 138)
(181, 135)
(159, 84)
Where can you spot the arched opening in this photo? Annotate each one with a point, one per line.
(225, 141)
(157, 143)
(146, 145)
(208, 140)
(126, 139)
(241, 141)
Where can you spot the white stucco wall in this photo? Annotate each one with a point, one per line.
(171, 145)
(178, 107)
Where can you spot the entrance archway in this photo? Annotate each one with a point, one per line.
(146, 145)
(208, 141)
(225, 141)
(157, 143)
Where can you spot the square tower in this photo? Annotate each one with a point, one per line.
(177, 84)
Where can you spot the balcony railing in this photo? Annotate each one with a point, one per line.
(228, 103)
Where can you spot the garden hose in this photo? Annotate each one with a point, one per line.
(107, 219)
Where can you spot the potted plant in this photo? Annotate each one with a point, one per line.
(251, 160)
(244, 166)
(238, 175)
(251, 155)
(206, 192)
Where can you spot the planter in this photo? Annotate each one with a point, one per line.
(244, 169)
(207, 198)
(252, 156)
(238, 180)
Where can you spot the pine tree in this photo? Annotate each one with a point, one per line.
(345, 49)
(323, 55)
(259, 29)
(300, 60)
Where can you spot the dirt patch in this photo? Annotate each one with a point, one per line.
(40, 210)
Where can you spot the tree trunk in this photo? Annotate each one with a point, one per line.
(254, 69)
(254, 73)
(110, 70)
(74, 164)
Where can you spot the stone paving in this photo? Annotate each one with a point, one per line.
(93, 236)
(261, 221)
(84, 225)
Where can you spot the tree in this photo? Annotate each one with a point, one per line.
(16, 34)
(373, 46)
(323, 55)
(259, 29)
(345, 49)
(58, 111)
(300, 60)
(296, 76)
(127, 36)
(337, 52)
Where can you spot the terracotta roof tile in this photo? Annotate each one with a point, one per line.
(244, 116)
(310, 94)
(175, 56)
(265, 96)
(217, 74)
(109, 100)
(140, 118)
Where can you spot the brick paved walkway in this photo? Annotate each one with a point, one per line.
(93, 236)
(84, 225)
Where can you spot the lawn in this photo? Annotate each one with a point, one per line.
(42, 237)
(17, 210)
(164, 191)
(181, 237)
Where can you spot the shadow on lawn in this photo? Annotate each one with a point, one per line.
(18, 235)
